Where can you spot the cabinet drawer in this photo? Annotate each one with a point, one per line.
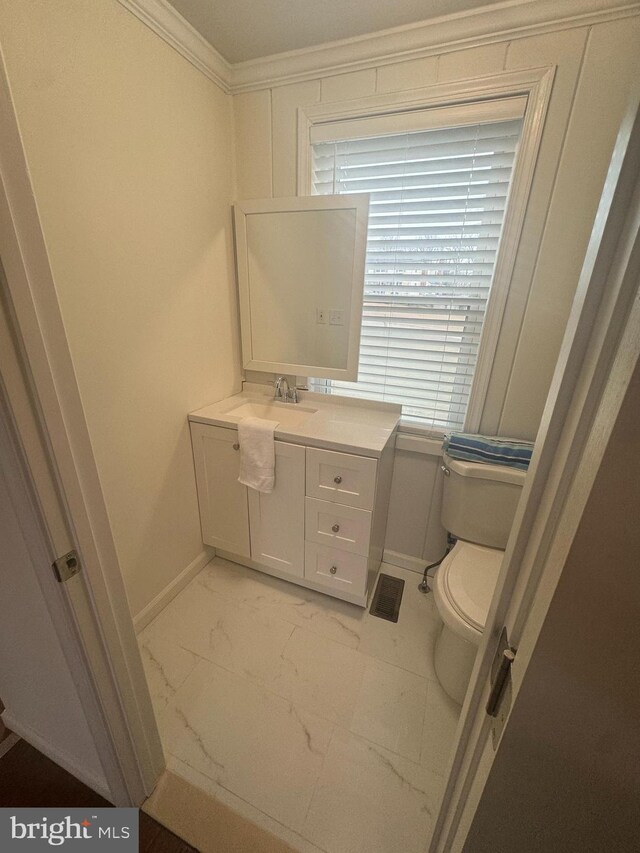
(335, 569)
(337, 526)
(341, 478)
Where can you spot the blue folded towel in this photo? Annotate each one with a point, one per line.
(482, 448)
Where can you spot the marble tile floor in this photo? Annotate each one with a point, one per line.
(319, 722)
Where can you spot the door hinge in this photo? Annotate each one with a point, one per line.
(499, 701)
(66, 567)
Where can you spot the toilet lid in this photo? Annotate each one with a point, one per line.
(470, 581)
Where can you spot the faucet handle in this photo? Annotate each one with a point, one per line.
(292, 395)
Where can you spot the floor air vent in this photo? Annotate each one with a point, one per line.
(387, 598)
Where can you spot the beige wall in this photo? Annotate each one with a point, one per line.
(596, 67)
(130, 151)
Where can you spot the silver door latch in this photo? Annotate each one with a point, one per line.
(500, 673)
(66, 567)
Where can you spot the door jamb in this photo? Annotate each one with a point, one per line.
(592, 372)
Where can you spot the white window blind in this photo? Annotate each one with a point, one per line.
(438, 199)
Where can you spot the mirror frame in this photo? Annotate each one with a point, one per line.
(360, 204)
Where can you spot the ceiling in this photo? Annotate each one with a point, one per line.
(250, 29)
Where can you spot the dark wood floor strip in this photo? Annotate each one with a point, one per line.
(30, 779)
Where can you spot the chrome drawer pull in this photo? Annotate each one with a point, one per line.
(335, 528)
(333, 570)
(337, 479)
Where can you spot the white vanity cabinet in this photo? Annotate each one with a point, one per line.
(267, 528)
(322, 527)
(223, 502)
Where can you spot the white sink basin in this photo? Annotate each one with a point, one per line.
(287, 414)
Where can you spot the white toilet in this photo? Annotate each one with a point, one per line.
(478, 504)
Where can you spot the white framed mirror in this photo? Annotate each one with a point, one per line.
(300, 264)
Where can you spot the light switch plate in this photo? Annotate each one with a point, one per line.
(321, 315)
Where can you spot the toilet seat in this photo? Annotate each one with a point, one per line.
(464, 586)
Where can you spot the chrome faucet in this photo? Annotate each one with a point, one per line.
(282, 391)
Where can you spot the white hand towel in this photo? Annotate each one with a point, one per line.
(257, 453)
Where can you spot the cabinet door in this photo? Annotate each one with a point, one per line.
(224, 511)
(277, 519)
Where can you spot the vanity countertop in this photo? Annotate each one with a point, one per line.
(317, 420)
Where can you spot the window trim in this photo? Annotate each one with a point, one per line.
(535, 84)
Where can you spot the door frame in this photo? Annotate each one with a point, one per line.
(68, 488)
(600, 351)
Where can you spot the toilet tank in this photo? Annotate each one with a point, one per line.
(479, 501)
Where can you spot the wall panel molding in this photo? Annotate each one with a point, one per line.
(404, 561)
(499, 22)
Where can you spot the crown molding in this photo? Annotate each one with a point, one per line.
(426, 38)
(498, 22)
(161, 17)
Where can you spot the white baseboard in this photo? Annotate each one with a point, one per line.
(404, 561)
(149, 613)
(45, 748)
(7, 742)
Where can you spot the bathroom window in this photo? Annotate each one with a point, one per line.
(439, 192)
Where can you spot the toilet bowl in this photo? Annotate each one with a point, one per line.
(478, 505)
(463, 588)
